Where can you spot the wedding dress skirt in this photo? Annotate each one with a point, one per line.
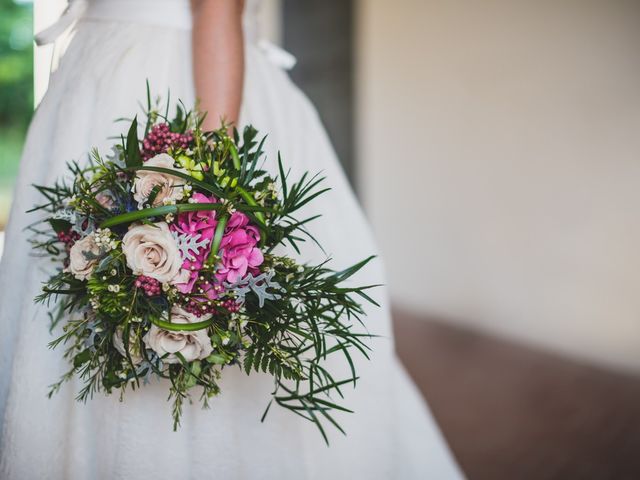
(101, 77)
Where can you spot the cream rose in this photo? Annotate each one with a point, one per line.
(83, 257)
(191, 345)
(170, 186)
(151, 250)
(134, 345)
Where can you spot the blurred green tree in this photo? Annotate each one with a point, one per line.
(16, 63)
(16, 90)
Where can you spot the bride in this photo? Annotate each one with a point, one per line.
(204, 50)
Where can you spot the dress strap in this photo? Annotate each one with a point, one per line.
(277, 55)
(75, 9)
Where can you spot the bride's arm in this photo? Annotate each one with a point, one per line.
(218, 58)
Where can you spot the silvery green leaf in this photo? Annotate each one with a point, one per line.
(257, 285)
(189, 243)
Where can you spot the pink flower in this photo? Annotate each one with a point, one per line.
(202, 223)
(105, 199)
(238, 249)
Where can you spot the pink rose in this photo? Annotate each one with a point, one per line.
(170, 187)
(192, 345)
(83, 257)
(106, 200)
(152, 251)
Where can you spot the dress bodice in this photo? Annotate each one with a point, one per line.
(159, 13)
(164, 13)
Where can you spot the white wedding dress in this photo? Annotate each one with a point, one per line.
(118, 44)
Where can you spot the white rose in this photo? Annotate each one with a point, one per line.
(145, 181)
(134, 345)
(151, 250)
(83, 257)
(191, 345)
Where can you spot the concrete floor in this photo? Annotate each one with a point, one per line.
(509, 412)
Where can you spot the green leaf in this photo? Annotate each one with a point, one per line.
(158, 212)
(82, 358)
(203, 185)
(234, 157)
(153, 194)
(217, 237)
(352, 270)
(132, 153)
(283, 178)
(182, 327)
(217, 359)
(194, 368)
(60, 225)
(251, 201)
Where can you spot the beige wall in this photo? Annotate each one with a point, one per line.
(500, 164)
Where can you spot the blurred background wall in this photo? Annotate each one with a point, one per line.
(499, 161)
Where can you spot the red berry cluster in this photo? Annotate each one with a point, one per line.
(200, 308)
(69, 237)
(161, 138)
(151, 286)
(231, 305)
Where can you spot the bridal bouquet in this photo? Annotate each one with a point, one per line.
(168, 268)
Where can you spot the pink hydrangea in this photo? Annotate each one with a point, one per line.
(238, 250)
(201, 223)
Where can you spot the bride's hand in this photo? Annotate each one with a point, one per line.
(218, 59)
